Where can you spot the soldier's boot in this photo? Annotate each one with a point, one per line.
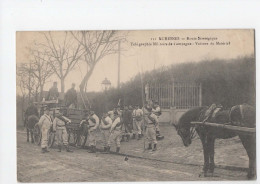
(68, 149)
(59, 148)
(92, 149)
(44, 150)
(117, 149)
(157, 133)
(133, 136)
(139, 137)
(150, 146)
(154, 147)
(127, 138)
(159, 136)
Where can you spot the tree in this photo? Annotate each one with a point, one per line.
(63, 54)
(97, 45)
(26, 81)
(40, 68)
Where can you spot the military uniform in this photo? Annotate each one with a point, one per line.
(150, 122)
(53, 93)
(45, 123)
(105, 125)
(137, 122)
(71, 98)
(116, 132)
(93, 122)
(59, 126)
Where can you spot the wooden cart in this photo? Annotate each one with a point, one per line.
(238, 129)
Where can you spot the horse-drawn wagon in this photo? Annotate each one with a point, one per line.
(77, 133)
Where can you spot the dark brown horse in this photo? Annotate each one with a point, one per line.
(208, 134)
(29, 124)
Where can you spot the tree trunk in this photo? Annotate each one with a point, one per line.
(62, 80)
(84, 83)
(41, 92)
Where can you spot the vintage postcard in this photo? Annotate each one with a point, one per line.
(143, 105)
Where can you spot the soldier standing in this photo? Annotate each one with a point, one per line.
(137, 122)
(150, 123)
(71, 97)
(157, 111)
(45, 123)
(93, 122)
(105, 125)
(53, 93)
(59, 126)
(116, 132)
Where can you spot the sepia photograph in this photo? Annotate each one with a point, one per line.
(136, 105)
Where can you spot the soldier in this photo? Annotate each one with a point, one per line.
(93, 122)
(116, 132)
(157, 111)
(150, 123)
(45, 123)
(59, 126)
(53, 93)
(105, 126)
(71, 97)
(137, 122)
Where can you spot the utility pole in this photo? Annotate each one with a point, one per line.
(118, 75)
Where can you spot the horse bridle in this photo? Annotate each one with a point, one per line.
(192, 133)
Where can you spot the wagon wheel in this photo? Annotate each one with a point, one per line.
(51, 138)
(37, 134)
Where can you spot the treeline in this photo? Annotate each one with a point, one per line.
(228, 82)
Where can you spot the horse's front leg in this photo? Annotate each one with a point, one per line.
(211, 149)
(27, 131)
(203, 139)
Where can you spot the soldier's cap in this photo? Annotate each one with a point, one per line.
(46, 108)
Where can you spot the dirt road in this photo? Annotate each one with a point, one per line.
(81, 166)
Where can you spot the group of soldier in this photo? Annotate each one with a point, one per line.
(114, 125)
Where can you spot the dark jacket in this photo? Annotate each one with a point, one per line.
(53, 93)
(71, 97)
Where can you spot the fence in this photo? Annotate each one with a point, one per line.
(179, 95)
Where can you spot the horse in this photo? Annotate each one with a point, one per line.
(29, 124)
(208, 134)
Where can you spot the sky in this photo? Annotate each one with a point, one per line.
(147, 50)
